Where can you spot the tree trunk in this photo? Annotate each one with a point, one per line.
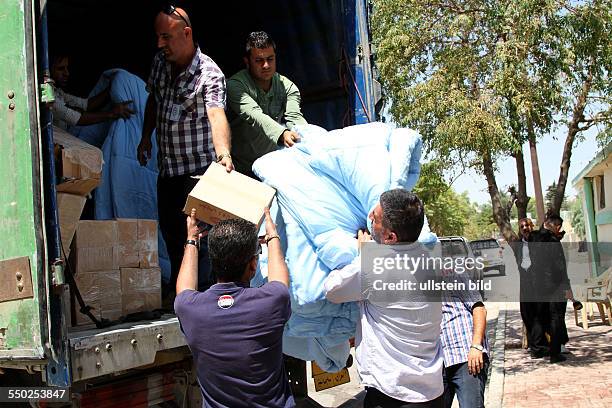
(500, 215)
(572, 131)
(522, 199)
(521, 195)
(535, 171)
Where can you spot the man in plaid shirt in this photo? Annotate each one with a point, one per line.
(465, 346)
(186, 105)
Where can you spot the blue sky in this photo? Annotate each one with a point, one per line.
(549, 157)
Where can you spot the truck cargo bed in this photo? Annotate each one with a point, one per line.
(112, 350)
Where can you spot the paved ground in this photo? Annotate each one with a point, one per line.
(584, 380)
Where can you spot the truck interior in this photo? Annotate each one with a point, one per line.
(314, 48)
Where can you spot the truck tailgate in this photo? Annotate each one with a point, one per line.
(97, 352)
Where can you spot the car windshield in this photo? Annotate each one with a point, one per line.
(454, 248)
(484, 244)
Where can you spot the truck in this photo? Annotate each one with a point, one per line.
(323, 47)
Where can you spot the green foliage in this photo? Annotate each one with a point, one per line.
(549, 197)
(578, 218)
(478, 77)
(447, 212)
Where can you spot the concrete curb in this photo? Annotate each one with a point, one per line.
(494, 395)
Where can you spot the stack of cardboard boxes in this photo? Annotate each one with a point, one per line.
(115, 263)
(117, 267)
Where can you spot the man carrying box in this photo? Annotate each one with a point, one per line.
(187, 107)
(235, 332)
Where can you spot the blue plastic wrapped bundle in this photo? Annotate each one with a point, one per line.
(326, 186)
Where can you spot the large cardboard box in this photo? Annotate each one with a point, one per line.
(69, 208)
(96, 246)
(102, 291)
(80, 164)
(220, 195)
(140, 289)
(137, 241)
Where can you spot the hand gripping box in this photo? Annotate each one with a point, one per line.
(220, 195)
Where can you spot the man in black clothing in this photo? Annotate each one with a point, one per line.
(550, 279)
(523, 253)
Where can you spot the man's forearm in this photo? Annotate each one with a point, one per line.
(188, 274)
(220, 131)
(91, 118)
(277, 268)
(150, 117)
(479, 314)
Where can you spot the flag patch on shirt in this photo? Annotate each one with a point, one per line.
(225, 301)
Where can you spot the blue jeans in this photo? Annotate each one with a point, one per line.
(469, 388)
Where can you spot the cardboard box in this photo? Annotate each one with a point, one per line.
(220, 195)
(148, 253)
(137, 242)
(102, 291)
(140, 289)
(96, 246)
(81, 164)
(69, 208)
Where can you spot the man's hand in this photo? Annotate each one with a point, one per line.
(226, 161)
(193, 231)
(144, 150)
(289, 138)
(569, 295)
(121, 110)
(362, 236)
(475, 361)
(270, 226)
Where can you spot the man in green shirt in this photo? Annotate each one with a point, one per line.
(264, 106)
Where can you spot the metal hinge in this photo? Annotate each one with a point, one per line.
(46, 93)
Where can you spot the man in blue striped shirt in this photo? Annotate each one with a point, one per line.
(465, 347)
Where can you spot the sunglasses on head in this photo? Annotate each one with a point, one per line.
(170, 9)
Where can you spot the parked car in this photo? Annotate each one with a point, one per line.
(458, 247)
(492, 252)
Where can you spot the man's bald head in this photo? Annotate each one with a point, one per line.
(175, 36)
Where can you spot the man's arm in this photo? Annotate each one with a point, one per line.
(221, 136)
(149, 123)
(277, 268)
(293, 113)
(120, 110)
(188, 273)
(475, 357)
(96, 102)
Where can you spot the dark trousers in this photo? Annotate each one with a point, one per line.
(376, 399)
(549, 317)
(534, 327)
(557, 328)
(172, 193)
(469, 388)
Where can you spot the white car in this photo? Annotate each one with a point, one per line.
(492, 252)
(458, 247)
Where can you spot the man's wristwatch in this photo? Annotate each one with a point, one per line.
(192, 242)
(223, 156)
(269, 238)
(477, 347)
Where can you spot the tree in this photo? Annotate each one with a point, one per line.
(447, 212)
(550, 198)
(577, 219)
(478, 78)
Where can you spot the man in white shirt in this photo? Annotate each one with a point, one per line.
(71, 110)
(398, 346)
